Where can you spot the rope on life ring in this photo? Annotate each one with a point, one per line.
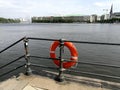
(73, 52)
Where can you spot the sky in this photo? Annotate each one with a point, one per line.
(30, 8)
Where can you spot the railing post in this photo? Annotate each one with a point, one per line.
(27, 58)
(60, 76)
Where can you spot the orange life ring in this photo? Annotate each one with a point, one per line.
(73, 52)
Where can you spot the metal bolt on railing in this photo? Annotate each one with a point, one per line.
(27, 57)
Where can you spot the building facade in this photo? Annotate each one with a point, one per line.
(93, 18)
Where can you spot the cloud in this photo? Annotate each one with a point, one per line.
(46, 5)
(11, 4)
(6, 3)
(53, 7)
(102, 4)
(107, 5)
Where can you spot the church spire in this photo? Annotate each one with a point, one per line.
(111, 10)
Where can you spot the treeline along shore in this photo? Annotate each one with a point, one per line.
(71, 19)
(114, 20)
(59, 19)
(9, 20)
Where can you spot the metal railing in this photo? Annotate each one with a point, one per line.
(59, 77)
(13, 61)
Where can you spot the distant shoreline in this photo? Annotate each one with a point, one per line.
(55, 23)
(9, 20)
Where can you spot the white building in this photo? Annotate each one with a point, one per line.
(98, 18)
(25, 20)
(107, 16)
(93, 18)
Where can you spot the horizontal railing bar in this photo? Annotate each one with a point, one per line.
(12, 62)
(12, 70)
(100, 43)
(42, 39)
(113, 66)
(42, 66)
(83, 42)
(45, 57)
(41, 57)
(95, 74)
(64, 60)
(11, 45)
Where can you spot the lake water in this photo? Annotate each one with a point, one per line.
(103, 54)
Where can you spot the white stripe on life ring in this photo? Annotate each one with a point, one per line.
(52, 51)
(73, 57)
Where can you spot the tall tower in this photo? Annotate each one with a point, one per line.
(111, 11)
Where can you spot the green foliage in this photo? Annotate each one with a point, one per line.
(70, 19)
(54, 20)
(4, 20)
